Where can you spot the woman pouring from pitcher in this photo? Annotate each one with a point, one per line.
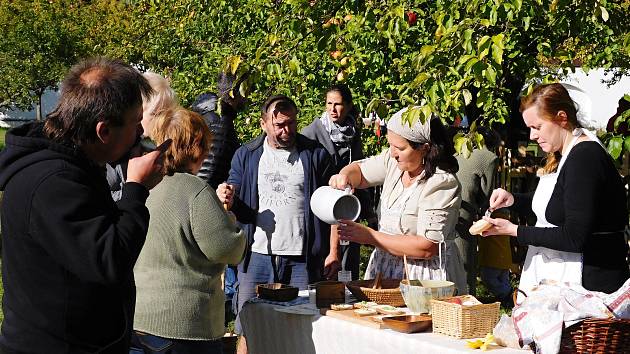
(580, 201)
(419, 203)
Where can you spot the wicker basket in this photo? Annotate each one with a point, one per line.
(464, 321)
(388, 294)
(597, 336)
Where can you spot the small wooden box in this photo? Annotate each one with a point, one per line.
(329, 292)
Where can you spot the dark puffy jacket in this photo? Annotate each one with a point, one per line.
(216, 168)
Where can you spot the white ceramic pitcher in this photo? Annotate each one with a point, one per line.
(331, 205)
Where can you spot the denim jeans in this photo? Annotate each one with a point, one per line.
(144, 343)
(265, 269)
(497, 281)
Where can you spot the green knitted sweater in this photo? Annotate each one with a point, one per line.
(476, 175)
(178, 274)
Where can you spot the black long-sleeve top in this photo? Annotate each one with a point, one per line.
(588, 204)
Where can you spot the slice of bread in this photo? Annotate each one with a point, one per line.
(364, 305)
(479, 227)
(365, 312)
(388, 310)
(340, 307)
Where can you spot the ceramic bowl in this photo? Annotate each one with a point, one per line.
(418, 293)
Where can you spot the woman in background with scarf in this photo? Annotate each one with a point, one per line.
(337, 131)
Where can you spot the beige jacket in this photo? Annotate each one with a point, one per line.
(433, 207)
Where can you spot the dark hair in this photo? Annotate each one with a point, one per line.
(491, 138)
(282, 103)
(343, 90)
(346, 97)
(441, 150)
(551, 99)
(95, 90)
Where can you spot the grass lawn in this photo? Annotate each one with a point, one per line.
(1, 294)
(2, 133)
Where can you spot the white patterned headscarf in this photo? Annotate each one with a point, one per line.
(583, 105)
(416, 132)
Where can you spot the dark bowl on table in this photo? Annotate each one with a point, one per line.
(408, 323)
(276, 292)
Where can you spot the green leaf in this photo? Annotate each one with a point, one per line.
(482, 42)
(371, 107)
(466, 148)
(526, 21)
(243, 88)
(426, 50)
(294, 65)
(498, 40)
(233, 62)
(497, 54)
(470, 63)
(615, 146)
(467, 96)
(426, 113)
(420, 78)
(517, 4)
(604, 13)
(479, 140)
(459, 141)
(491, 74)
(626, 144)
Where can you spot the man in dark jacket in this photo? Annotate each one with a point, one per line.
(68, 249)
(269, 190)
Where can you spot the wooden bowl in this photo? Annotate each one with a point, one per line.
(276, 292)
(408, 323)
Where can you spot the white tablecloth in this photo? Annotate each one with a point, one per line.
(272, 332)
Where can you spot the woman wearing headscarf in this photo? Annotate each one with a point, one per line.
(580, 201)
(419, 203)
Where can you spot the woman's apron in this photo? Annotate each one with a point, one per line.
(443, 267)
(541, 262)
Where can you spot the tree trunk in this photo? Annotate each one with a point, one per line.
(38, 107)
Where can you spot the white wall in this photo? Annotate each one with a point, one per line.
(604, 98)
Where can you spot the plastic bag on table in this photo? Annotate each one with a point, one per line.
(505, 333)
(540, 326)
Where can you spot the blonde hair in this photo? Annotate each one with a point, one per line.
(162, 100)
(191, 138)
(551, 99)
